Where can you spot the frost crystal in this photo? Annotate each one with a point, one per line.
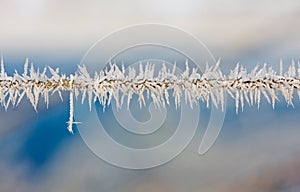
(115, 83)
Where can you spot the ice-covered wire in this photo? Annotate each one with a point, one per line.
(116, 83)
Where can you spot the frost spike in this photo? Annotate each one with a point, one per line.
(70, 122)
(25, 67)
(112, 83)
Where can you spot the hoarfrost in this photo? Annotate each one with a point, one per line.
(113, 83)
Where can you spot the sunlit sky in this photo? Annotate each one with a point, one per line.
(223, 25)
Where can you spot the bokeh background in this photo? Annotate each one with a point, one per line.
(257, 150)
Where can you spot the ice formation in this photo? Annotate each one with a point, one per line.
(116, 83)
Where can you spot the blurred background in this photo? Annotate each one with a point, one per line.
(257, 150)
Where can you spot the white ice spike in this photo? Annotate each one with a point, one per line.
(114, 83)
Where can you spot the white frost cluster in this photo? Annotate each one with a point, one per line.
(116, 83)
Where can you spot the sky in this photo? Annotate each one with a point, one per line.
(257, 150)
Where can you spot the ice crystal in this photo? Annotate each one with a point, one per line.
(115, 83)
